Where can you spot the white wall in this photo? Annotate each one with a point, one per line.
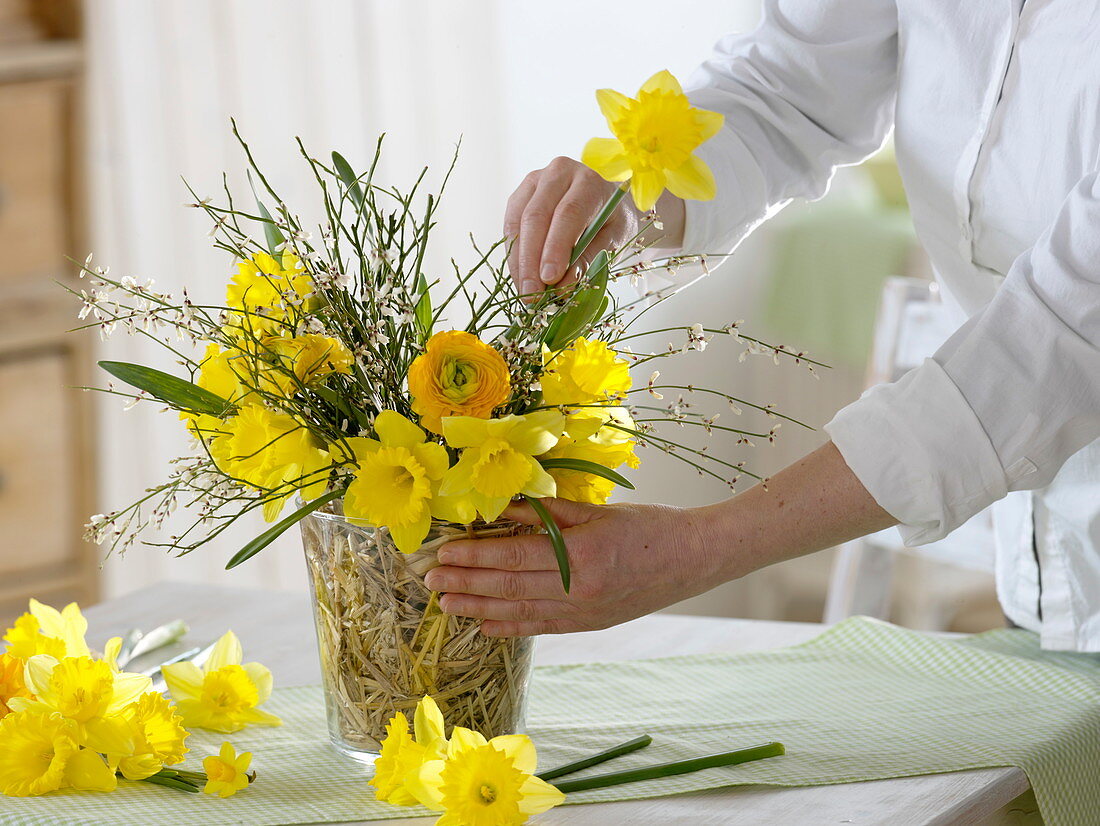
(515, 79)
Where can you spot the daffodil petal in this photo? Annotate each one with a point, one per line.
(426, 784)
(395, 430)
(128, 687)
(37, 673)
(520, 748)
(87, 772)
(490, 507)
(536, 796)
(463, 739)
(710, 123)
(261, 678)
(433, 457)
(464, 431)
(361, 446)
(646, 187)
(111, 651)
(459, 478)
(428, 724)
(184, 680)
(692, 181)
(537, 432)
(607, 157)
(541, 484)
(454, 508)
(258, 717)
(227, 651)
(109, 735)
(663, 81)
(613, 104)
(409, 537)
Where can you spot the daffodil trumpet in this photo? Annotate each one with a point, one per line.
(711, 761)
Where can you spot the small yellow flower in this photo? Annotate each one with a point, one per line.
(11, 682)
(39, 754)
(88, 692)
(401, 756)
(223, 695)
(46, 630)
(398, 474)
(227, 772)
(497, 461)
(158, 736)
(272, 452)
(457, 375)
(267, 294)
(655, 136)
(585, 372)
(484, 783)
(288, 363)
(589, 435)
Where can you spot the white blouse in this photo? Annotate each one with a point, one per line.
(995, 107)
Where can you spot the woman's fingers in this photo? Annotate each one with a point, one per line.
(531, 552)
(513, 213)
(535, 223)
(512, 628)
(579, 205)
(489, 582)
(490, 608)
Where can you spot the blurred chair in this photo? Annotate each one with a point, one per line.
(912, 323)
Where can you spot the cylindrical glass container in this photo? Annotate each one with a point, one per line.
(385, 643)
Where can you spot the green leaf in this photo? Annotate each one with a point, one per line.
(272, 234)
(179, 393)
(350, 180)
(279, 528)
(601, 757)
(726, 758)
(587, 305)
(423, 309)
(556, 539)
(586, 466)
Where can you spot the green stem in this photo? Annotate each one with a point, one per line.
(171, 783)
(597, 224)
(596, 759)
(728, 758)
(556, 539)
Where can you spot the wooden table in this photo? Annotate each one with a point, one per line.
(277, 630)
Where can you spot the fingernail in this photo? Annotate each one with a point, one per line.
(432, 580)
(444, 556)
(530, 286)
(549, 273)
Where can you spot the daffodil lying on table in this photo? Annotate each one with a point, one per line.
(339, 368)
(70, 719)
(479, 782)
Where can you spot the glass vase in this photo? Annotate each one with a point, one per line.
(384, 642)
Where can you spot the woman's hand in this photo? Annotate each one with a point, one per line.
(626, 561)
(550, 210)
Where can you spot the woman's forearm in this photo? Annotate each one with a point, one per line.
(813, 504)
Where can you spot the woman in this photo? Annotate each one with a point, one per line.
(996, 112)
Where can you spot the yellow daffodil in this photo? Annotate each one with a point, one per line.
(11, 682)
(484, 783)
(267, 294)
(497, 461)
(39, 753)
(273, 452)
(585, 372)
(158, 735)
(398, 474)
(223, 695)
(457, 375)
(217, 375)
(656, 135)
(88, 692)
(227, 771)
(45, 630)
(593, 434)
(402, 756)
(288, 363)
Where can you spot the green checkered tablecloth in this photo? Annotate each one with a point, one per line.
(862, 701)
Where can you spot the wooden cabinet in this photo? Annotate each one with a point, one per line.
(46, 467)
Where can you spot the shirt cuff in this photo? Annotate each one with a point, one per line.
(921, 452)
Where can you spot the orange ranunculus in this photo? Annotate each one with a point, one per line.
(457, 375)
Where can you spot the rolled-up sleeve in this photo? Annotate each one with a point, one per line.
(1005, 402)
(812, 88)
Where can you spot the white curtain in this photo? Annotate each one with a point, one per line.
(514, 79)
